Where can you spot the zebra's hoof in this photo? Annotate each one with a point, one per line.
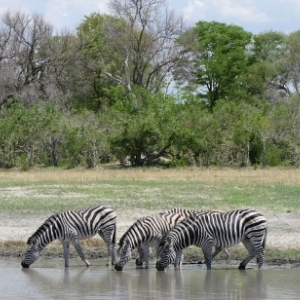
(138, 263)
(118, 268)
(241, 267)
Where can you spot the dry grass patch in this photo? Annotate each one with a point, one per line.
(239, 176)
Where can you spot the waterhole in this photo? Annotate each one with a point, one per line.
(50, 280)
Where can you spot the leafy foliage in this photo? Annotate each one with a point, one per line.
(100, 95)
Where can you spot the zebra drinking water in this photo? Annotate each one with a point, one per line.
(187, 213)
(71, 227)
(216, 229)
(148, 231)
(145, 232)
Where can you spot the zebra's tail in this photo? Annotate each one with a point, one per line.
(114, 234)
(265, 239)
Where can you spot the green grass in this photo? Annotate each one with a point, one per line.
(133, 193)
(48, 197)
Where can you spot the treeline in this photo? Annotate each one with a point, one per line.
(141, 88)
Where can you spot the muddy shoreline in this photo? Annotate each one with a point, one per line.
(52, 252)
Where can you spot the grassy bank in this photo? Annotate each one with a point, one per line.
(48, 191)
(25, 196)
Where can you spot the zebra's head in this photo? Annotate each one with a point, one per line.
(124, 253)
(32, 253)
(166, 254)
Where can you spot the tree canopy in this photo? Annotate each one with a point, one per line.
(140, 88)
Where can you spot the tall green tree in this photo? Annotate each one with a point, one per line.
(146, 127)
(219, 57)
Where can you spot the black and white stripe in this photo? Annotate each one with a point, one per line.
(144, 233)
(187, 213)
(216, 229)
(71, 227)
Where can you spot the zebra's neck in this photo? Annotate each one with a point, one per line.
(136, 236)
(182, 239)
(46, 233)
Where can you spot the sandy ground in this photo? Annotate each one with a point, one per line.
(283, 229)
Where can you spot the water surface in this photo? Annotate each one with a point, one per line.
(48, 279)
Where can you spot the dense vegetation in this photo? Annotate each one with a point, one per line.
(141, 88)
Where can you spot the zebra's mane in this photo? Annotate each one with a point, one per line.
(47, 224)
(124, 236)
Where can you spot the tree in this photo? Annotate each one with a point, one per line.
(148, 43)
(100, 59)
(34, 65)
(24, 130)
(146, 128)
(219, 58)
(293, 60)
(270, 56)
(21, 68)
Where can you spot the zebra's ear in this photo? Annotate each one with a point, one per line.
(169, 241)
(31, 241)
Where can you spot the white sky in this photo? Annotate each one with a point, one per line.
(255, 16)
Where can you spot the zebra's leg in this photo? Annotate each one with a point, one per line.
(207, 251)
(78, 248)
(109, 246)
(141, 256)
(178, 260)
(259, 244)
(227, 253)
(66, 245)
(251, 253)
(217, 251)
(146, 255)
(259, 250)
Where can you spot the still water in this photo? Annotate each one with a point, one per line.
(50, 280)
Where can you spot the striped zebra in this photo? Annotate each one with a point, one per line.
(148, 231)
(177, 215)
(216, 229)
(187, 213)
(71, 227)
(144, 233)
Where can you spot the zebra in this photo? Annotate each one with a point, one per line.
(71, 227)
(145, 232)
(217, 229)
(141, 235)
(187, 213)
(173, 216)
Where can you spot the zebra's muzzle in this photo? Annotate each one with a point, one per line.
(159, 267)
(118, 267)
(24, 265)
